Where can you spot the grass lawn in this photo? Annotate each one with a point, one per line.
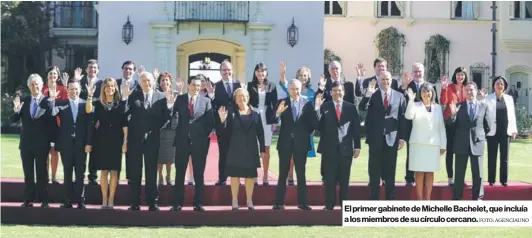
(519, 171)
(519, 166)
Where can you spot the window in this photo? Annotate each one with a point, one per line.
(75, 14)
(335, 8)
(390, 8)
(521, 10)
(479, 72)
(464, 10)
(77, 56)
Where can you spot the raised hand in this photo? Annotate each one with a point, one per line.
(170, 96)
(454, 109)
(77, 74)
(411, 95)
(444, 81)
(126, 89)
(319, 100)
(155, 73)
(361, 71)
(406, 80)
(141, 69)
(208, 86)
(64, 79)
(281, 108)
(52, 92)
(282, 71)
(322, 82)
(91, 88)
(17, 104)
(482, 93)
(372, 87)
(222, 112)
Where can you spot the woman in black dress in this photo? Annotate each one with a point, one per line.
(110, 137)
(243, 125)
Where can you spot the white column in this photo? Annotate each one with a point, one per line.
(162, 40)
(259, 35)
(406, 8)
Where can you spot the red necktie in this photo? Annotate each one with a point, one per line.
(191, 106)
(386, 102)
(338, 111)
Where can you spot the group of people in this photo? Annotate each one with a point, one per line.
(154, 123)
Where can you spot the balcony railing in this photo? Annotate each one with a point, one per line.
(75, 14)
(217, 11)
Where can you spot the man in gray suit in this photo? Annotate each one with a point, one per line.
(472, 123)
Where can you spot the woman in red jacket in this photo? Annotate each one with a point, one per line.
(53, 74)
(452, 93)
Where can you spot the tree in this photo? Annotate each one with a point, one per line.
(26, 41)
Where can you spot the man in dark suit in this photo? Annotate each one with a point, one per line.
(128, 71)
(92, 78)
(380, 66)
(35, 114)
(414, 83)
(297, 124)
(149, 110)
(195, 121)
(223, 96)
(385, 133)
(335, 70)
(339, 127)
(472, 123)
(72, 141)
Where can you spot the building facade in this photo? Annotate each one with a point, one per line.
(443, 35)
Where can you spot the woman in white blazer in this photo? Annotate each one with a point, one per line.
(428, 140)
(501, 111)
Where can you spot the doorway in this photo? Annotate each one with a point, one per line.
(208, 64)
(521, 82)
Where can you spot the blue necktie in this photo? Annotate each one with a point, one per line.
(471, 111)
(228, 88)
(74, 111)
(34, 107)
(294, 110)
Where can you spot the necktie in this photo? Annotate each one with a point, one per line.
(228, 88)
(385, 101)
(191, 107)
(34, 107)
(294, 110)
(146, 103)
(471, 111)
(74, 111)
(338, 112)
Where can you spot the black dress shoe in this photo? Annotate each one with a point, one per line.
(45, 205)
(304, 207)
(176, 208)
(220, 183)
(134, 208)
(491, 184)
(66, 205)
(504, 184)
(278, 207)
(27, 204)
(153, 208)
(82, 206)
(199, 208)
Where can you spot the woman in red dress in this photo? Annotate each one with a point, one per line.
(452, 93)
(53, 74)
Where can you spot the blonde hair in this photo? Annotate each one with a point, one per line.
(106, 83)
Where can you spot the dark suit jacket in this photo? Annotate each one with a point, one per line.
(84, 82)
(471, 134)
(271, 99)
(82, 128)
(145, 122)
(360, 91)
(349, 89)
(36, 133)
(376, 123)
(293, 135)
(221, 97)
(412, 85)
(349, 127)
(197, 128)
